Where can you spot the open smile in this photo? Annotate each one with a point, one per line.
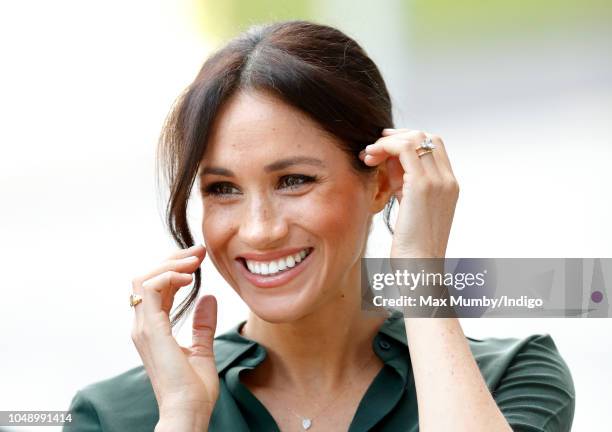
(275, 273)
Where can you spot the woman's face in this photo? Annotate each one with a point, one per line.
(261, 201)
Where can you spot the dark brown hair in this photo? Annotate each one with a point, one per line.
(313, 67)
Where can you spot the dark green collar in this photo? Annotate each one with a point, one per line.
(235, 353)
(394, 327)
(230, 346)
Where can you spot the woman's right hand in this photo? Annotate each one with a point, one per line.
(185, 380)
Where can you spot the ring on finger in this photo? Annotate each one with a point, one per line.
(135, 299)
(427, 144)
(424, 152)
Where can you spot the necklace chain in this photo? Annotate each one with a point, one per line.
(307, 421)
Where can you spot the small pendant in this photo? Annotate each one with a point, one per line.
(306, 423)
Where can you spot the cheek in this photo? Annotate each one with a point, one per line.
(335, 215)
(215, 228)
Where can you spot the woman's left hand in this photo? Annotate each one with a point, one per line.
(425, 187)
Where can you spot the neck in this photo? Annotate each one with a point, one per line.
(318, 352)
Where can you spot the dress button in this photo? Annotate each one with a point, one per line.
(384, 344)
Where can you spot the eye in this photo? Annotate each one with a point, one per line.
(295, 180)
(218, 188)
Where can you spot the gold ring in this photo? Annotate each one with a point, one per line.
(424, 153)
(135, 299)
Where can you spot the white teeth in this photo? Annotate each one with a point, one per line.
(272, 267)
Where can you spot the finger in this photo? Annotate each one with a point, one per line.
(187, 264)
(428, 159)
(401, 145)
(442, 157)
(416, 139)
(394, 167)
(440, 154)
(153, 335)
(204, 326)
(378, 152)
(158, 296)
(198, 250)
(137, 289)
(203, 334)
(391, 131)
(396, 176)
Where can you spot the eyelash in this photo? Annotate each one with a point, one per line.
(213, 188)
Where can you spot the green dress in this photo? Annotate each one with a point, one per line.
(528, 378)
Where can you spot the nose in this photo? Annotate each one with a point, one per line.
(263, 225)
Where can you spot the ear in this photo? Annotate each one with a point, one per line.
(381, 188)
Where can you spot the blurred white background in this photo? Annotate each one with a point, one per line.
(85, 87)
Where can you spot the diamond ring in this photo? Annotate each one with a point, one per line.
(427, 144)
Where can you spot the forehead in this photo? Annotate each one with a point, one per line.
(258, 122)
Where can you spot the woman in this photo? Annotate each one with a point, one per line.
(276, 128)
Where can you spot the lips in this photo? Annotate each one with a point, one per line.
(277, 279)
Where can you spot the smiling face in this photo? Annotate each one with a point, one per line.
(274, 184)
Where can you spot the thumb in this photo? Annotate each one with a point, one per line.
(203, 333)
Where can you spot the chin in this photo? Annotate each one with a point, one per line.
(279, 308)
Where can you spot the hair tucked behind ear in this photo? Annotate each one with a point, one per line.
(313, 67)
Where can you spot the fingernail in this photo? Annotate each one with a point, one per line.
(192, 258)
(388, 129)
(362, 154)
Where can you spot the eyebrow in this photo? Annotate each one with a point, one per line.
(274, 166)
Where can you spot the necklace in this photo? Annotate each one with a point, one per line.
(306, 422)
